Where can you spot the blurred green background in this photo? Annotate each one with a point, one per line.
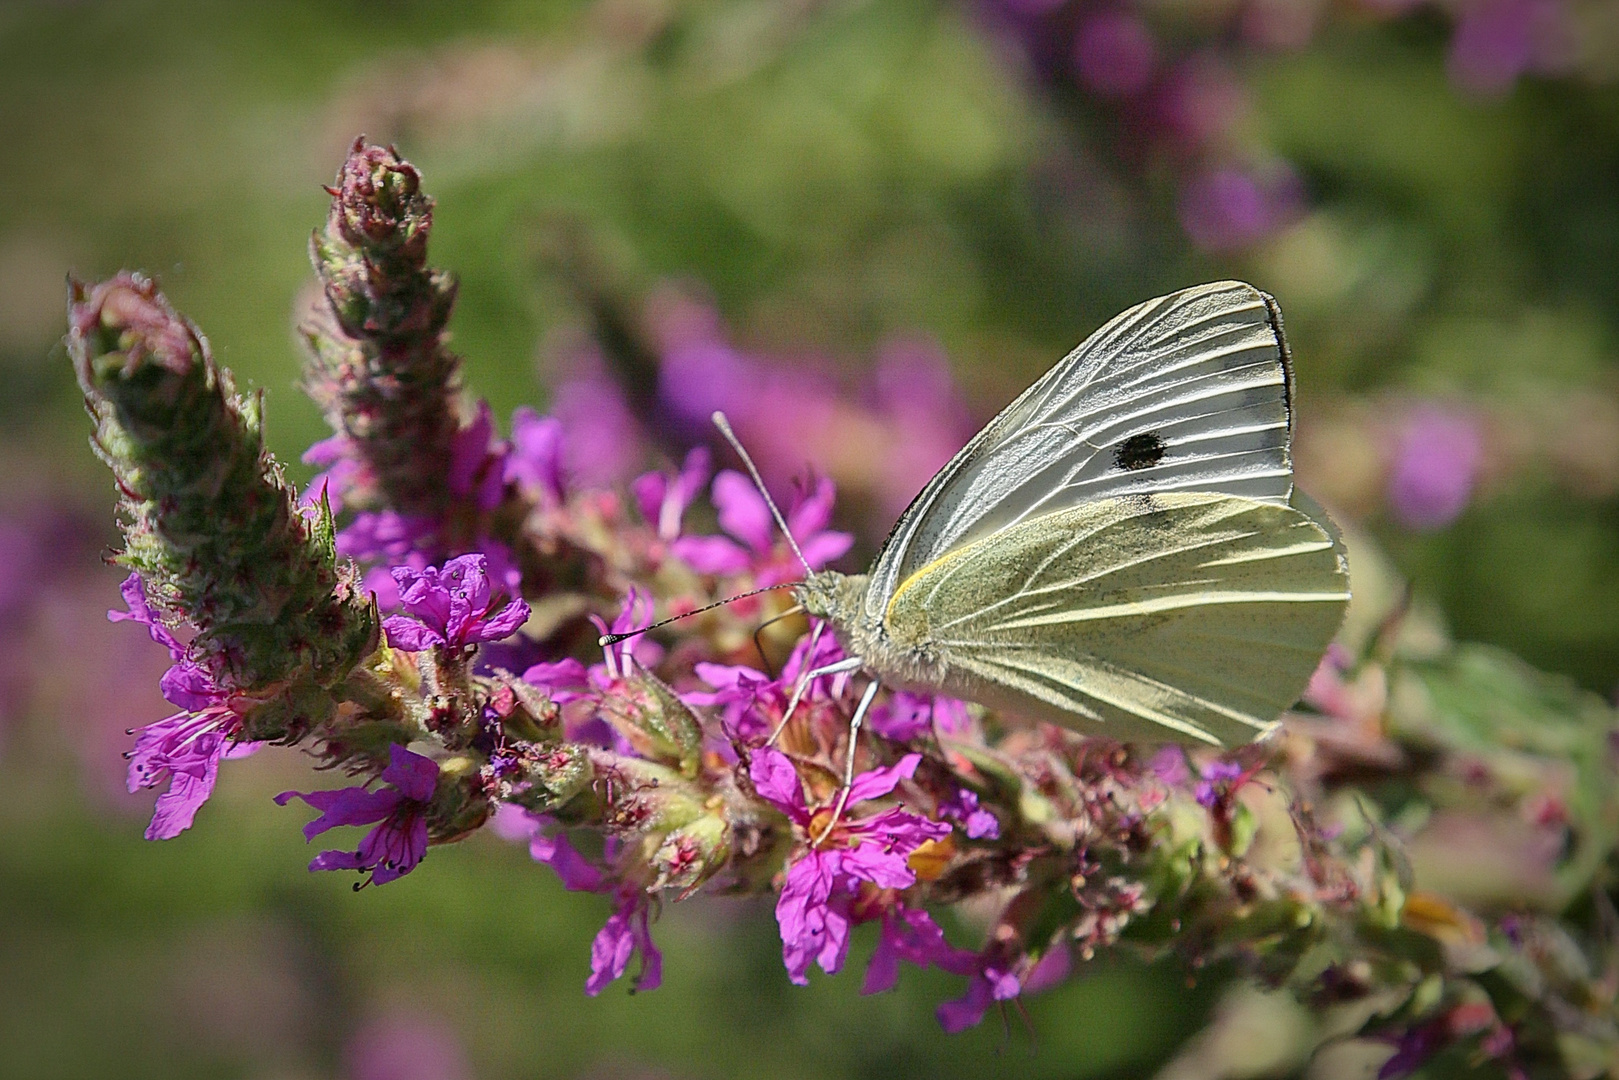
(1431, 191)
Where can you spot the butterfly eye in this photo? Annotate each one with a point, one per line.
(1139, 451)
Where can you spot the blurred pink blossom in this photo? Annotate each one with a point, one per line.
(1114, 53)
(405, 1047)
(1437, 455)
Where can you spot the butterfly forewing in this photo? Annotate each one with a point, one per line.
(1189, 392)
(1186, 617)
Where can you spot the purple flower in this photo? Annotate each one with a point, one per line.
(185, 749)
(745, 516)
(1229, 208)
(385, 534)
(405, 1047)
(918, 405)
(548, 844)
(452, 607)
(1216, 777)
(535, 460)
(628, 931)
(341, 471)
(1114, 54)
(1436, 463)
(663, 499)
(1169, 765)
(477, 471)
(1496, 41)
(563, 680)
(601, 440)
(910, 934)
(989, 985)
(619, 659)
(1414, 1047)
(397, 844)
(752, 703)
(906, 716)
(1200, 101)
(976, 822)
(814, 911)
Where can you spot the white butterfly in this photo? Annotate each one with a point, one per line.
(1121, 551)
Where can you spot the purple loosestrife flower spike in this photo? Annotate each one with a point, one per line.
(452, 607)
(378, 364)
(211, 525)
(397, 844)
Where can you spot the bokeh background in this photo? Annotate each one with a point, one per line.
(880, 218)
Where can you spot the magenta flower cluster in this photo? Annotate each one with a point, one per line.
(474, 681)
(1173, 94)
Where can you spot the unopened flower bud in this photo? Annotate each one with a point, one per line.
(211, 524)
(691, 854)
(553, 775)
(378, 365)
(656, 722)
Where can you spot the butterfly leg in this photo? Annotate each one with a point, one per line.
(848, 762)
(850, 664)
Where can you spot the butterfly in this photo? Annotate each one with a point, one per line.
(1122, 550)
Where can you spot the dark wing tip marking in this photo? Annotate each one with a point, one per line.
(1141, 451)
(1273, 315)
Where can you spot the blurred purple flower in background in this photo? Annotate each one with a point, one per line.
(1199, 101)
(920, 408)
(405, 1047)
(1114, 53)
(1230, 208)
(1497, 41)
(1437, 455)
(745, 516)
(663, 498)
(535, 463)
(601, 440)
(790, 413)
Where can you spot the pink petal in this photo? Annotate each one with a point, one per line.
(879, 782)
(711, 554)
(777, 781)
(742, 510)
(414, 775)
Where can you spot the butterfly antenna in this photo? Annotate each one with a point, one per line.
(613, 639)
(736, 444)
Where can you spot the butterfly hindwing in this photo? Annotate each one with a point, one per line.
(1188, 392)
(1182, 617)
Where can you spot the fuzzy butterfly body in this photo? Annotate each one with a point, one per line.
(1121, 551)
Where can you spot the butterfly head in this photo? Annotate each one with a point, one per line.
(827, 594)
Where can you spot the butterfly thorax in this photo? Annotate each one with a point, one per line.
(840, 599)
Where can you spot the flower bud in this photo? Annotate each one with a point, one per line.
(211, 524)
(553, 775)
(656, 722)
(691, 854)
(378, 365)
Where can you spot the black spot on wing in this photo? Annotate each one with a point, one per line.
(1139, 451)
